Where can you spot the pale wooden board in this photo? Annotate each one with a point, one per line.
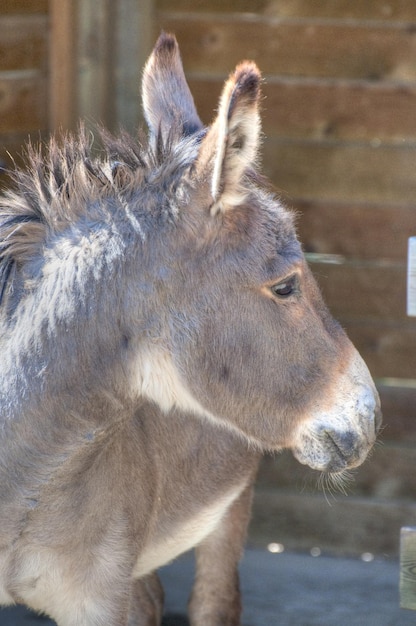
(408, 567)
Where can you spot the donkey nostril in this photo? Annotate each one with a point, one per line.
(343, 444)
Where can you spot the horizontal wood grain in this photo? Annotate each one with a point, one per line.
(22, 101)
(360, 231)
(321, 109)
(343, 524)
(213, 44)
(398, 405)
(23, 42)
(344, 172)
(23, 6)
(12, 149)
(372, 290)
(388, 473)
(389, 349)
(392, 10)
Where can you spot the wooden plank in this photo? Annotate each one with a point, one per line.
(309, 108)
(397, 10)
(388, 473)
(342, 172)
(360, 290)
(340, 109)
(389, 349)
(96, 23)
(22, 101)
(408, 568)
(23, 42)
(23, 6)
(399, 410)
(342, 525)
(12, 147)
(361, 231)
(63, 110)
(214, 44)
(134, 40)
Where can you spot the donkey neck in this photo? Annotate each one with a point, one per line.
(67, 331)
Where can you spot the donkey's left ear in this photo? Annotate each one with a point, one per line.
(167, 100)
(231, 145)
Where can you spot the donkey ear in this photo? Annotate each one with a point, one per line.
(231, 145)
(167, 100)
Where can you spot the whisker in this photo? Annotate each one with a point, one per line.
(335, 482)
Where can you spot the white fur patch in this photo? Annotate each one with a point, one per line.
(156, 378)
(187, 536)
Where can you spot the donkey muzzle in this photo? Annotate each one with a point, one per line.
(339, 435)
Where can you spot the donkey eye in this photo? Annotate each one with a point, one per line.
(285, 288)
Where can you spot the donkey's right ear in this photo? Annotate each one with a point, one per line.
(167, 100)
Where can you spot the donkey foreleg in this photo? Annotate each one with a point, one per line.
(146, 602)
(215, 599)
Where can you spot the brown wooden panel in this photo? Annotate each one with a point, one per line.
(388, 472)
(360, 290)
(23, 6)
(340, 110)
(23, 42)
(63, 60)
(399, 411)
(369, 301)
(325, 109)
(22, 102)
(388, 349)
(363, 231)
(12, 147)
(343, 525)
(400, 10)
(344, 172)
(213, 45)
(397, 10)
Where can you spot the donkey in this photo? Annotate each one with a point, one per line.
(159, 331)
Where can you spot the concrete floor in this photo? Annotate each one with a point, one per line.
(287, 589)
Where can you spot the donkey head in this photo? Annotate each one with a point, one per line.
(250, 343)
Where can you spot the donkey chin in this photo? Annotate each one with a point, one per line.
(338, 435)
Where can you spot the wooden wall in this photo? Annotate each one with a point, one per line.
(62, 60)
(339, 117)
(23, 74)
(340, 146)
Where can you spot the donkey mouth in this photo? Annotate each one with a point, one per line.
(332, 450)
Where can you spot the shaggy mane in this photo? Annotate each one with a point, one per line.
(61, 182)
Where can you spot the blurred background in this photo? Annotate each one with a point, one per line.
(339, 118)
